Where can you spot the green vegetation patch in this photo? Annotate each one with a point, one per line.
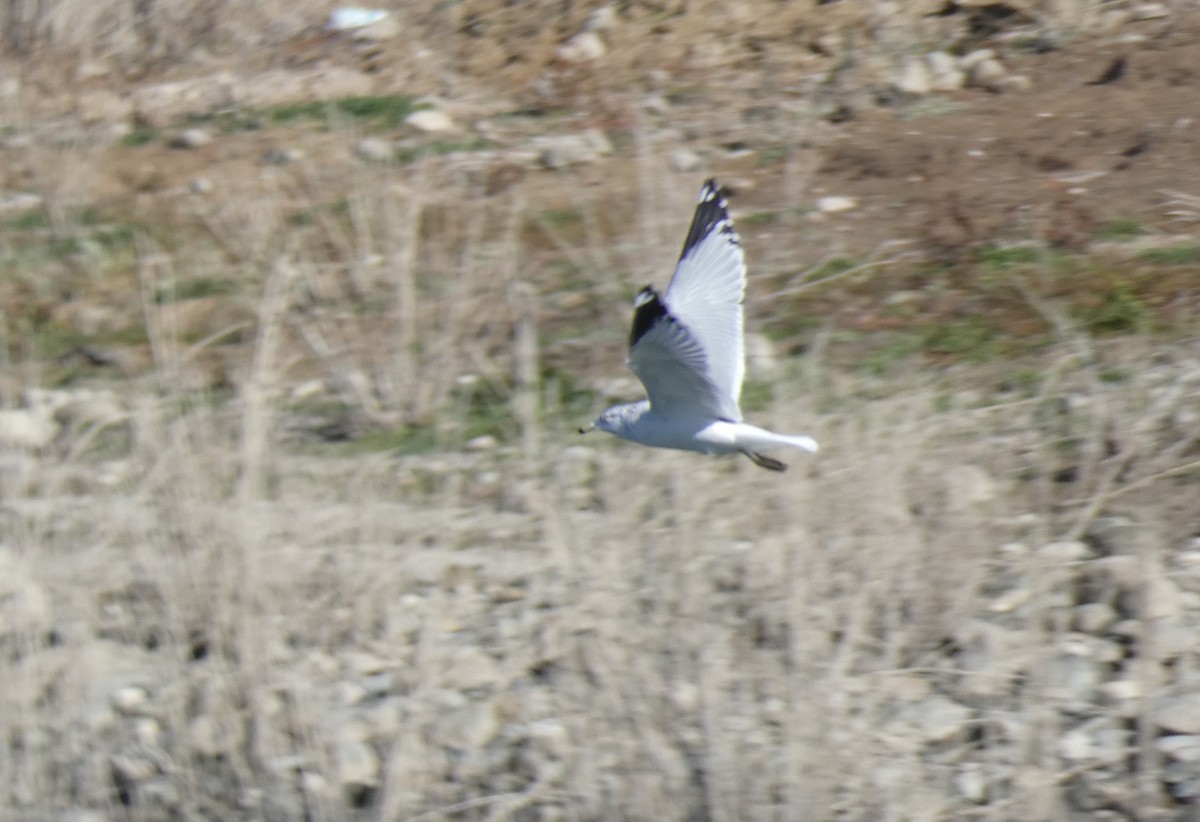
(195, 288)
(1120, 311)
(1001, 258)
(383, 111)
(437, 148)
(1121, 229)
(831, 268)
(1172, 255)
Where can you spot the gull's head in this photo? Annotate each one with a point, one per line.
(618, 419)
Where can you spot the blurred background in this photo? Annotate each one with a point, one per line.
(302, 305)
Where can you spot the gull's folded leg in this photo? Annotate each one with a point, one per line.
(763, 461)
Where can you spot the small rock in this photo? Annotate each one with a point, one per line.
(387, 28)
(484, 442)
(602, 19)
(582, 48)
(834, 204)
(1149, 11)
(26, 429)
(190, 138)
(1073, 679)
(913, 78)
(1010, 600)
(1124, 571)
(130, 699)
(19, 202)
(1013, 551)
(971, 783)
(940, 718)
(1095, 617)
(87, 407)
(1063, 552)
(987, 74)
(357, 767)
(163, 794)
(209, 738)
(84, 815)
(1099, 739)
(1162, 600)
(1120, 690)
(686, 696)
(1012, 83)
(685, 161)
(201, 185)
(345, 18)
(469, 728)
(1172, 637)
(1179, 714)
(968, 486)
(130, 770)
(374, 149)
(945, 73)
(470, 668)
(969, 60)
(431, 121)
(562, 151)
(275, 156)
(1180, 747)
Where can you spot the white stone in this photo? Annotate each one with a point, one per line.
(1010, 600)
(387, 28)
(190, 138)
(913, 78)
(971, 783)
(836, 203)
(564, 150)
(469, 728)
(685, 161)
(602, 19)
(968, 486)
(987, 74)
(582, 48)
(978, 56)
(940, 718)
(470, 668)
(1149, 11)
(1095, 617)
(26, 428)
(1065, 551)
(431, 121)
(944, 71)
(1179, 714)
(357, 765)
(374, 149)
(1180, 747)
(1161, 600)
(130, 699)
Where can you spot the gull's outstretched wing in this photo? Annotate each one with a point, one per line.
(686, 347)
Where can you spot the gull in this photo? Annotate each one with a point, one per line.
(687, 347)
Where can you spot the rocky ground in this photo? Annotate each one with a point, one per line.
(299, 323)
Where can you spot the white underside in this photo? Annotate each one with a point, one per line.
(710, 437)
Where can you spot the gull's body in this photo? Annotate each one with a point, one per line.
(687, 348)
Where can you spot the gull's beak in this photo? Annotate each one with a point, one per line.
(585, 429)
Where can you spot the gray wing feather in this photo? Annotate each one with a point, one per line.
(705, 297)
(672, 365)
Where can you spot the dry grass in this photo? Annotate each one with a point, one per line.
(550, 630)
(561, 631)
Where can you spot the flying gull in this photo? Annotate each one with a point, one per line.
(688, 350)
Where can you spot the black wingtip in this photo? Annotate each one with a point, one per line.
(712, 214)
(647, 310)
